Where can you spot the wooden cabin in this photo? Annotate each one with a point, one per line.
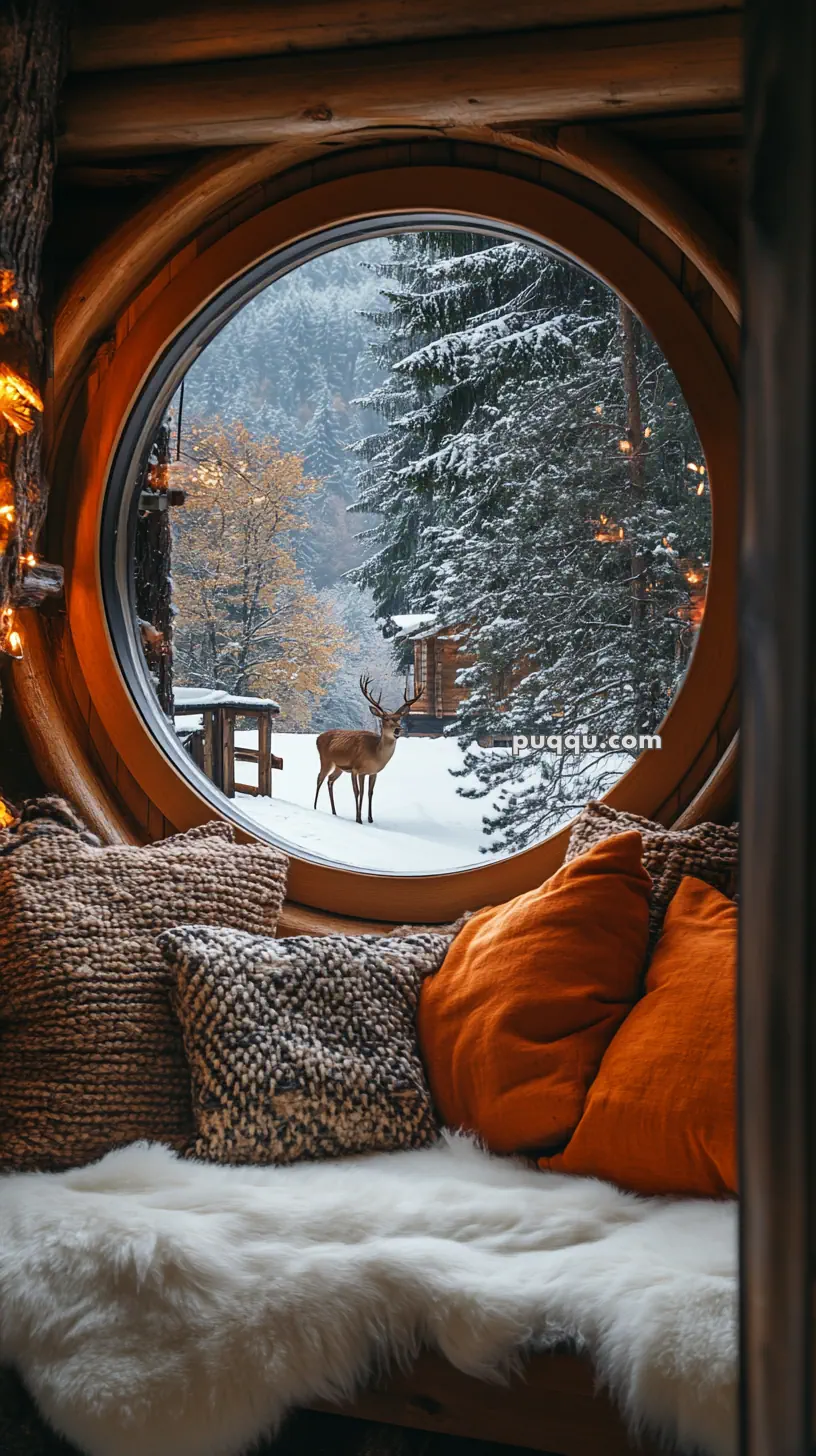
(155, 158)
(437, 659)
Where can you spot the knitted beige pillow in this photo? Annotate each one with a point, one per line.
(91, 1054)
(710, 852)
(303, 1047)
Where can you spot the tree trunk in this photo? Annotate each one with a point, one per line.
(32, 52)
(634, 437)
(637, 570)
(634, 421)
(153, 571)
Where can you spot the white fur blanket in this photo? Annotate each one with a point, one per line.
(153, 1305)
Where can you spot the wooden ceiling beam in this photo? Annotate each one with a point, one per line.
(554, 75)
(155, 33)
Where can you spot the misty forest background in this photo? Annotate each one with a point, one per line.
(446, 423)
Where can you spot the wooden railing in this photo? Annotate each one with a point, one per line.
(212, 747)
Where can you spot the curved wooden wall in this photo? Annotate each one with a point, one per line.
(70, 744)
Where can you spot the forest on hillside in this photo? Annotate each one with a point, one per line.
(445, 423)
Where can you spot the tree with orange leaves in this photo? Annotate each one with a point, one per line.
(246, 620)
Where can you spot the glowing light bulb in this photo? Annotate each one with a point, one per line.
(18, 401)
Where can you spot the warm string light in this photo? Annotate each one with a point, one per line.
(625, 447)
(19, 401)
(11, 643)
(9, 302)
(8, 517)
(608, 532)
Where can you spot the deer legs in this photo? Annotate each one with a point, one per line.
(320, 778)
(358, 783)
(333, 777)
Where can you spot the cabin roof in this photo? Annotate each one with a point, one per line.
(414, 625)
(198, 700)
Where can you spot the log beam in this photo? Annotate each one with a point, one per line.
(549, 75)
(146, 34)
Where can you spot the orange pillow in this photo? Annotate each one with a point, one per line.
(661, 1114)
(514, 1024)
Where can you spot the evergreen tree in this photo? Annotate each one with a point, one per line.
(533, 488)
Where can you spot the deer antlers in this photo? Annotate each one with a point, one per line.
(376, 703)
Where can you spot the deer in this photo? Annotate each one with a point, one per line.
(360, 752)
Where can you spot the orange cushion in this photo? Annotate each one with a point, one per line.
(514, 1024)
(661, 1114)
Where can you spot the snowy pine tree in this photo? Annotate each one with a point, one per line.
(533, 488)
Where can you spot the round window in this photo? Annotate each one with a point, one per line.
(413, 532)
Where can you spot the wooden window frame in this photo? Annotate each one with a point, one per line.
(660, 783)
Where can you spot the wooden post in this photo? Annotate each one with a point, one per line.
(195, 748)
(212, 750)
(778, 891)
(32, 51)
(227, 738)
(265, 753)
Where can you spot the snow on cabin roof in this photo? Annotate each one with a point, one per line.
(414, 625)
(197, 699)
(412, 620)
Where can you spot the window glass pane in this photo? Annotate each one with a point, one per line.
(429, 511)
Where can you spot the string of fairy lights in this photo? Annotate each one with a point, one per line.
(608, 532)
(20, 403)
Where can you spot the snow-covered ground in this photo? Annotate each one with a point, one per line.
(421, 825)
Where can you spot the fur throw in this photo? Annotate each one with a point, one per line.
(177, 1308)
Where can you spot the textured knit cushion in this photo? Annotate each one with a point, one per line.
(303, 1047)
(90, 1051)
(710, 852)
(514, 1026)
(661, 1114)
